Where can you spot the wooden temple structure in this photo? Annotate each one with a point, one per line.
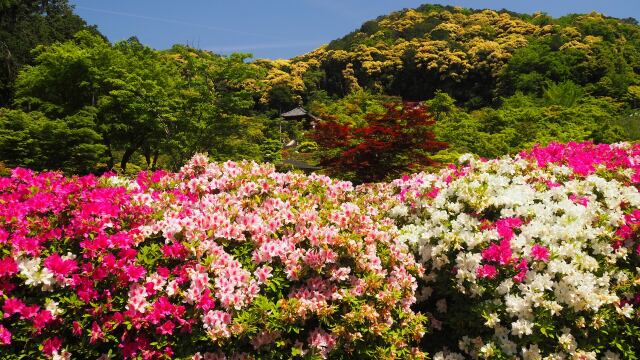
(307, 119)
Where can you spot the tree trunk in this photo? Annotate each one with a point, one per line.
(130, 151)
(154, 164)
(110, 160)
(126, 157)
(147, 155)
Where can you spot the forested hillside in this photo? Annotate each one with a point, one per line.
(476, 56)
(74, 101)
(496, 81)
(492, 83)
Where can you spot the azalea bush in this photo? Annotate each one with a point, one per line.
(530, 256)
(67, 255)
(217, 261)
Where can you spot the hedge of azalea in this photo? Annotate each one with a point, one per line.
(217, 261)
(534, 256)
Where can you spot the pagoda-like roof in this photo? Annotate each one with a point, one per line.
(297, 112)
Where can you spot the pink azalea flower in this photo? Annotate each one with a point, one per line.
(77, 328)
(505, 227)
(163, 271)
(175, 250)
(5, 336)
(96, 333)
(500, 253)
(433, 193)
(322, 341)
(633, 218)
(29, 312)
(519, 277)
(166, 328)
(12, 306)
(206, 301)
(41, 319)
(51, 345)
(134, 272)
(263, 273)
(624, 231)
(487, 271)
(540, 253)
(87, 293)
(8, 266)
(59, 266)
(4, 236)
(584, 201)
(523, 268)
(216, 322)
(162, 307)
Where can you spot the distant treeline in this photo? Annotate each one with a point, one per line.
(74, 101)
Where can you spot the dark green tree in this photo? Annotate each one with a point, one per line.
(24, 24)
(129, 85)
(217, 100)
(33, 140)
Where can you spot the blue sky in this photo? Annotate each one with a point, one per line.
(282, 28)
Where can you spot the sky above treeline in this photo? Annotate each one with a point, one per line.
(283, 28)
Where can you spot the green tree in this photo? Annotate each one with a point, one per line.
(128, 84)
(140, 107)
(217, 98)
(24, 24)
(32, 140)
(353, 108)
(565, 94)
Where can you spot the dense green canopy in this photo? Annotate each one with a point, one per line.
(160, 105)
(24, 24)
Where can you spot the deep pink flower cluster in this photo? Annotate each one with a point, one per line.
(585, 158)
(218, 261)
(68, 245)
(500, 254)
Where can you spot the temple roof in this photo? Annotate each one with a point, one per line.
(297, 112)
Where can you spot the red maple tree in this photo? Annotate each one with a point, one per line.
(390, 144)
